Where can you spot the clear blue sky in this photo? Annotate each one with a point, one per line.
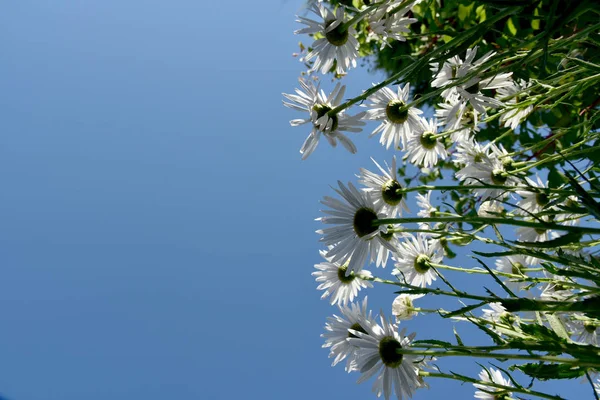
(156, 222)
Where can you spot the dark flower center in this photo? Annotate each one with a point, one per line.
(422, 263)
(499, 177)
(321, 110)
(363, 221)
(589, 328)
(356, 327)
(338, 36)
(391, 191)
(540, 231)
(473, 89)
(388, 351)
(428, 140)
(516, 268)
(342, 275)
(396, 111)
(542, 199)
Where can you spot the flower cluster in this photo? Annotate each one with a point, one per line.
(478, 117)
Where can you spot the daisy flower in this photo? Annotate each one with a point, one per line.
(355, 236)
(414, 258)
(459, 118)
(470, 91)
(533, 201)
(314, 101)
(403, 307)
(333, 280)
(513, 265)
(527, 234)
(376, 355)
(513, 115)
(585, 331)
(380, 254)
(397, 122)
(486, 392)
(487, 173)
(423, 148)
(338, 45)
(470, 152)
(384, 26)
(490, 209)
(355, 317)
(557, 290)
(384, 189)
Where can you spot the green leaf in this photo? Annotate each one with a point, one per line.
(544, 372)
(458, 339)
(511, 27)
(464, 12)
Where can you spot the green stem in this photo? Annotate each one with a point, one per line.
(490, 221)
(454, 353)
(490, 384)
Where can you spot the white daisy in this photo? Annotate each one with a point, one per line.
(490, 209)
(512, 94)
(557, 290)
(459, 118)
(527, 234)
(487, 174)
(490, 392)
(414, 258)
(513, 265)
(384, 26)
(403, 307)
(354, 237)
(533, 201)
(445, 75)
(376, 354)
(338, 45)
(569, 214)
(471, 90)
(384, 189)
(423, 148)
(333, 280)
(470, 152)
(584, 330)
(426, 209)
(397, 122)
(317, 105)
(380, 254)
(355, 317)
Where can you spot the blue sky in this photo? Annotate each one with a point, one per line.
(157, 232)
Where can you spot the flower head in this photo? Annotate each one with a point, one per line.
(486, 392)
(333, 280)
(338, 46)
(414, 258)
(384, 26)
(397, 121)
(377, 355)
(318, 105)
(337, 331)
(384, 189)
(356, 234)
(424, 148)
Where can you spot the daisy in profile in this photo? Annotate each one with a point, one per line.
(403, 306)
(313, 101)
(470, 91)
(354, 318)
(492, 172)
(333, 280)
(423, 148)
(490, 209)
(397, 121)
(384, 26)
(486, 392)
(533, 201)
(376, 355)
(527, 234)
(338, 45)
(584, 330)
(458, 118)
(384, 189)
(414, 258)
(355, 235)
(512, 95)
(513, 265)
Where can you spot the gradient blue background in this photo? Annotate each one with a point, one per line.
(156, 221)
